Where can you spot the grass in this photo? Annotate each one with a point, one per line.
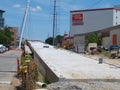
(105, 53)
(23, 59)
(37, 75)
(41, 77)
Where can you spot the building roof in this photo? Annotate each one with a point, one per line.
(98, 9)
(110, 28)
(102, 30)
(2, 11)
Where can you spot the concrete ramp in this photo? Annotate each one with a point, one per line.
(69, 65)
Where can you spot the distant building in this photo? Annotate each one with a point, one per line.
(1, 19)
(14, 33)
(83, 22)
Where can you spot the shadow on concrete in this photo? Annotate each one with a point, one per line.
(18, 88)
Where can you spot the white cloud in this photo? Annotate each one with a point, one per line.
(16, 6)
(34, 9)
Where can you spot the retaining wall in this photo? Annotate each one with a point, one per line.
(43, 68)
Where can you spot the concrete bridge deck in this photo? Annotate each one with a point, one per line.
(69, 65)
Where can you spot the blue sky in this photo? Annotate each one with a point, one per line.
(39, 22)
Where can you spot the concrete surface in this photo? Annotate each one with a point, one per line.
(8, 68)
(69, 65)
(27, 50)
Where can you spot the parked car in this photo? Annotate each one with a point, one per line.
(114, 47)
(5, 48)
(114, 51)
(92, 48)
(1, 50)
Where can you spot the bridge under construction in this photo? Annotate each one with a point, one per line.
(57, 64)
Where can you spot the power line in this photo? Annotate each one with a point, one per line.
(94, 4)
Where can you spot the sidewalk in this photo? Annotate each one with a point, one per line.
(8, 68)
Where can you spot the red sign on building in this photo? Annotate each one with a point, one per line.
(77, 19)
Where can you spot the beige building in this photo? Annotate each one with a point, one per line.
(105, 21)
(14, 33)
(110, 36)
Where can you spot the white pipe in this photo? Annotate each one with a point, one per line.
(41, 84)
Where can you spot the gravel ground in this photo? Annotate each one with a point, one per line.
(115, 61)
(89, 85)
(16, 84)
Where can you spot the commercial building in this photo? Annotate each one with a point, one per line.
(1, 19)
(83, 22)
(110, 36)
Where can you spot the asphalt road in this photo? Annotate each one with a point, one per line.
(8, 68)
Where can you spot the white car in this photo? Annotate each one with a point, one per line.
(3, 48)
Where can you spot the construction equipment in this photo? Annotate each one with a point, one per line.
(66, 44)
(92, 48)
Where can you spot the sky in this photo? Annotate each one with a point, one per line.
(39, 25)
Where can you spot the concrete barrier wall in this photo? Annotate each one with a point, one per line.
(43, 68)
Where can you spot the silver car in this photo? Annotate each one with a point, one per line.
(1, 50)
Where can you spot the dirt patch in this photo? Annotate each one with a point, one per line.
(115, 61)
(87, 85)
(15, 84)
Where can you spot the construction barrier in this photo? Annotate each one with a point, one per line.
(18, 66)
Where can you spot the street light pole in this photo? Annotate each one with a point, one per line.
(24, 23)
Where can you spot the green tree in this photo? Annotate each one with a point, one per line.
(59, 39)
(5, 36)
(49, 40)
(2, 36)
(93, 38)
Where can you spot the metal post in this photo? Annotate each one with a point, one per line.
(24, 22)
(100, 60)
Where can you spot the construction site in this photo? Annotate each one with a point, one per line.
(67, 70)
(86, 57)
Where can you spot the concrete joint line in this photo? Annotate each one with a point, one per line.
(5, 82)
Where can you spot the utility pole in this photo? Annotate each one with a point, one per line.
(24, 23)
(54, 17)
